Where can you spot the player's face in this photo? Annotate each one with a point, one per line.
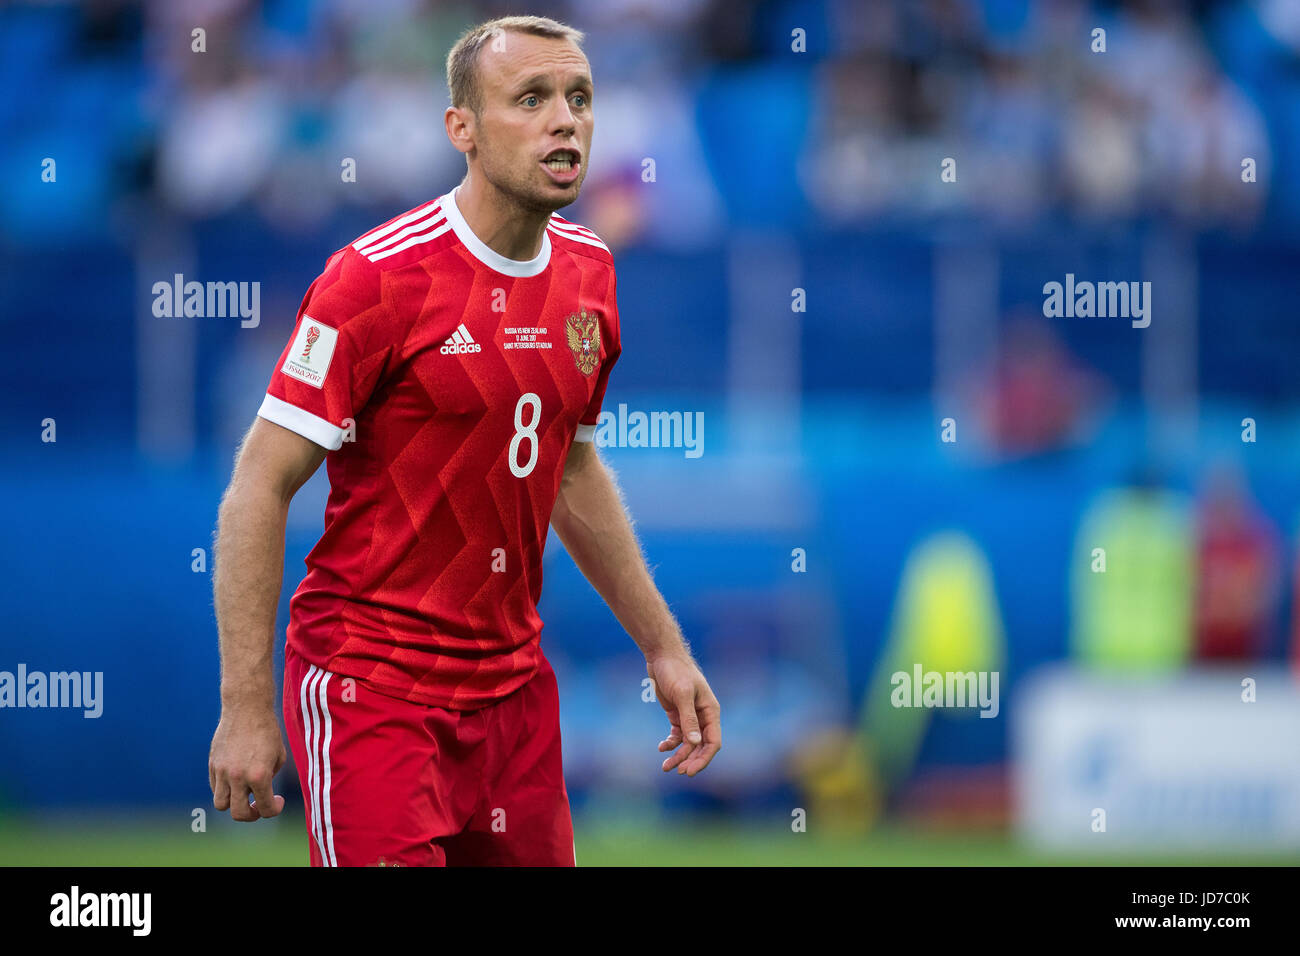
(534, 135)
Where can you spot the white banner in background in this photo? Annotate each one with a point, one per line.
(1173, 762)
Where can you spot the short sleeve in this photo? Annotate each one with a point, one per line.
(611, 349)
(338, 351)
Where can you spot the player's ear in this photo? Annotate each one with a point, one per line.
(460, 128)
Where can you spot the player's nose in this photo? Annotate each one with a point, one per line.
(563, 121)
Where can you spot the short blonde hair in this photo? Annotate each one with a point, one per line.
(462, 61)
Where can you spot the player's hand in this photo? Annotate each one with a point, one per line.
(247, 753)
(694, 715)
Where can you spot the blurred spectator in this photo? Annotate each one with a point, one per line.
(1132, 580)
(1238, 574)
(1101, 152)
(1037, 397)
(858, 123)
(220, 142)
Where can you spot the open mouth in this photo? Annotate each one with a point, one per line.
(561, 160)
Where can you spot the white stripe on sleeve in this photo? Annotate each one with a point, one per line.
(312, 427)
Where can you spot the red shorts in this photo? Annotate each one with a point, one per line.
(388, 782)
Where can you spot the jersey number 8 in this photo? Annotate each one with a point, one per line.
(523, 431)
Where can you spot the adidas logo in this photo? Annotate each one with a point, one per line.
(460, 343)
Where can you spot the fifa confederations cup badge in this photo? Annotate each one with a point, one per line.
(312, 335)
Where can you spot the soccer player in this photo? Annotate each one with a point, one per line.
(449, 366)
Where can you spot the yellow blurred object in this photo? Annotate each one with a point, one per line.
(834, 770)
(1132, 581)
(948, 616)
(946, 620)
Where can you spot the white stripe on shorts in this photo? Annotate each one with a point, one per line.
(312, 694)
(327, 818)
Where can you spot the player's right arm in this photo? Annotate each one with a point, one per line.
(336, 354)
(248, 749)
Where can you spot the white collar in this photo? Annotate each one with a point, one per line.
(520, 269)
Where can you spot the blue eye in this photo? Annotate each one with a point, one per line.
(582, 99)
(530, 101)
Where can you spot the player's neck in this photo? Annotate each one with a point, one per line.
(500, 224)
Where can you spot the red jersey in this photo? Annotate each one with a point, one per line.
(448, 384)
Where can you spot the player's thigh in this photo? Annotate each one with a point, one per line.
(366, 763)
(523, 817)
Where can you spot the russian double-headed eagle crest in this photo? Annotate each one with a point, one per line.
(583, 332)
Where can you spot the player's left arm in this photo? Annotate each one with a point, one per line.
(592, 522)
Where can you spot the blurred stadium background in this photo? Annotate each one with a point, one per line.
(775, 168)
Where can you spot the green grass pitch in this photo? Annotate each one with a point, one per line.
(600, 842)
